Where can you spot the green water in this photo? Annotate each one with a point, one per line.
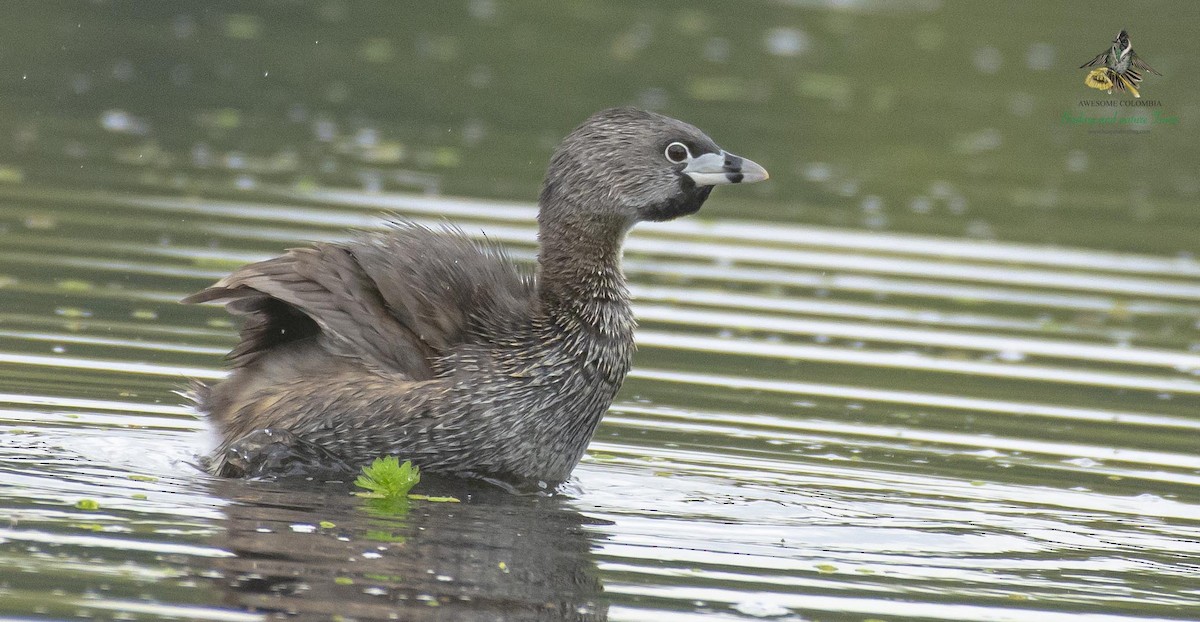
(942, 366)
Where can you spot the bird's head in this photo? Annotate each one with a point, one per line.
(626, 165)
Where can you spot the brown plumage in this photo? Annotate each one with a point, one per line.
(434, 347)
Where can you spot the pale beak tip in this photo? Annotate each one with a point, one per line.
(752, 172)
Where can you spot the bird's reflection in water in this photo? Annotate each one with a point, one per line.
(317, 552)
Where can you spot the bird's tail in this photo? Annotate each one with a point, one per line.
(197, 394)
(1128, 82)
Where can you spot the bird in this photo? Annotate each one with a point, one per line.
(1118, 67)
(424, 343)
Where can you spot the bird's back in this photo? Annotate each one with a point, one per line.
(395, 304)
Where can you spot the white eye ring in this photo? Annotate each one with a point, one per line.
(672, 153)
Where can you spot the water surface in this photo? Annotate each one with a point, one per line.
(944, 366)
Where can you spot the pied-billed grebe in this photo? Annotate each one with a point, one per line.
(425, 344)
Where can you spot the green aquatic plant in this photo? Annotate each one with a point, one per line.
(386, 478)
(388, 481)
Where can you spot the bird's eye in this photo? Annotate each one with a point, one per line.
(677, 152)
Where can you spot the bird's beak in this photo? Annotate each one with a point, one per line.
(712, 169)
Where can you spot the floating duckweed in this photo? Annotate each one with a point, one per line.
(143, 478)
(719, 88)
(41, 222)
(226, 118)
(826, 568)
(377, 50)
(11, 175)
(443, 157)
(434, 499)
(306, 184)
(242, 26)
(87, 504)
(74, 285)
(441, 47)
(834, 88)
(343, 580)
(326, 524)
(144, 314)
(391, 152)
(691, 22)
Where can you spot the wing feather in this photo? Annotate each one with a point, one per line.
(1099, 60)
(1136, 61)
(397, 301)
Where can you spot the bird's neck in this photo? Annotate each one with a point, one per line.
(580, 282)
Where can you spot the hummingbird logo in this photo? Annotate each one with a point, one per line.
(1118, 67)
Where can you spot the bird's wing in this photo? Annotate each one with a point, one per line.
(443, 285)
(318, 292)
(1136, 61)
(1099, 60)
(395, 302)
